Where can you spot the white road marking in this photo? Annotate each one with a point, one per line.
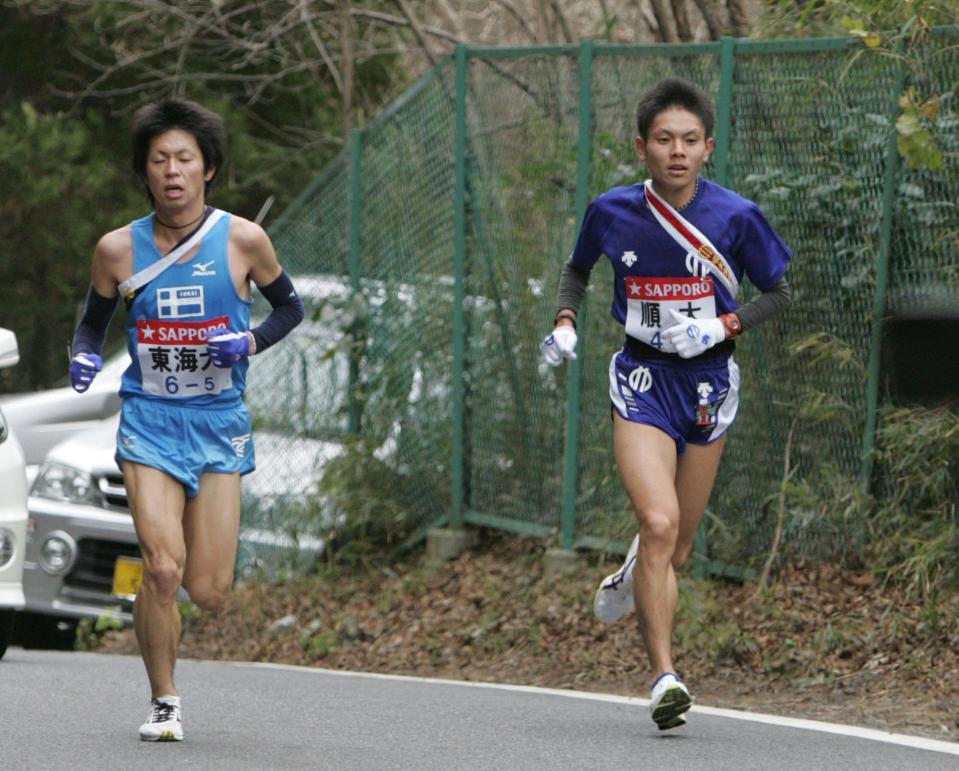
(917, 742)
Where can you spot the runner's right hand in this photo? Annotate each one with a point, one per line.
(83, 368)
(226, 348)
(559, 346)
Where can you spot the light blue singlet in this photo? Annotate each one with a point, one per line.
(168, 322)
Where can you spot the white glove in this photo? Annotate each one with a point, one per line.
(691, 337)
(559, 346)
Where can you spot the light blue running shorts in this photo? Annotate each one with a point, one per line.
(185, 442)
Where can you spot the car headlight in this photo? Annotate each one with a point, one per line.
(65, 483)
(7, 546)
(57, 552)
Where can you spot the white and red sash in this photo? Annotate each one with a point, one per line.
(689, 237)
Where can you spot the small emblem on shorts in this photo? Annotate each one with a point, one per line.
(127, 440)
(239, 444)
(705, 412)
(629, 258)
(641, 379)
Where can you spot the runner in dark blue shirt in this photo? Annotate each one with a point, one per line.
(679, 246)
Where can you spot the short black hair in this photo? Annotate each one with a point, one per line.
(157, 118)
(674, 92)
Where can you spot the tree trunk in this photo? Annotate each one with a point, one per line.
(561, 21)
(683, 31)
(713, 23)
(346, 68)
(738, 19)
(666, 34)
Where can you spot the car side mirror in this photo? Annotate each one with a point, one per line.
(9, 353)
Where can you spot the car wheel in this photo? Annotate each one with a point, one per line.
(6, 629)
(37, 631)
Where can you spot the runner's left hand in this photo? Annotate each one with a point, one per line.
(691, 337)
(226, 348)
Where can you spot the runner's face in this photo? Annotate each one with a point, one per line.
(175, 172)
(674, 151)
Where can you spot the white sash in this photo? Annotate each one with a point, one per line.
(129, 287)
(691, 239)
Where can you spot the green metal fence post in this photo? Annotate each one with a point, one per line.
(356, 206)
(583, 157)
(459, 321)
(724, 110)
(882, 283)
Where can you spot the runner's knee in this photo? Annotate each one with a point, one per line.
(658, 531)
(162, 575)
(208, 595)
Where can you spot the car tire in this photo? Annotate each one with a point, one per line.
(51, 632)
(6, 629)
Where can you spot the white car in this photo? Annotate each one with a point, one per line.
(13, 509)
(83, 560)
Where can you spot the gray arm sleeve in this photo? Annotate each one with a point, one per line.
(766, 305)
(572, 287)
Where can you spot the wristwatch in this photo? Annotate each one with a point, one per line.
(731, 324)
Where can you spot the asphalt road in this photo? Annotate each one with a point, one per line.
(81, 711)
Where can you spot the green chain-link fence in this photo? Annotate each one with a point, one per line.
(429, 254)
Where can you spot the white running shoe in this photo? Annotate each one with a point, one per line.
(669, 701)
(165, 721)
(614, 597)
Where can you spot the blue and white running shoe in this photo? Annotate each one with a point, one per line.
(669, 701)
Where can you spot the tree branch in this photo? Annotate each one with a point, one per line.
(738, 19)
(683, 31)
(417, 32)
(666, 34)
(708, 9)
(320, 47)
(561, 20)
(520, 19)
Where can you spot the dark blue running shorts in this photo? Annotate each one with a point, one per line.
(693, 400)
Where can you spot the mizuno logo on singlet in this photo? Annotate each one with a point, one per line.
(203, 269)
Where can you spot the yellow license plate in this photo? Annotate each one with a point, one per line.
(127, 575)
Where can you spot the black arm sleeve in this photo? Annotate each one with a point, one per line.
(287, 312)
(572, 287)
(765, 306)
(97, 312)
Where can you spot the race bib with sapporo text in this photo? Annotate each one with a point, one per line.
(648, 301)
(174, 361)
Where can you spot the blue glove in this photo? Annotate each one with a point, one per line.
(83, 368)
(226, 348)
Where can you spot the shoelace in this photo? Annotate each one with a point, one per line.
(617, 579)
(163, 712)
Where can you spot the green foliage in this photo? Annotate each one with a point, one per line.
(916, 131)
(59, 178)
(906, 529)
(89, 632)
(870, 19)
(379, 489)
(914, 533)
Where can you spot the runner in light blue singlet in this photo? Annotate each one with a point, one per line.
(174, 398)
